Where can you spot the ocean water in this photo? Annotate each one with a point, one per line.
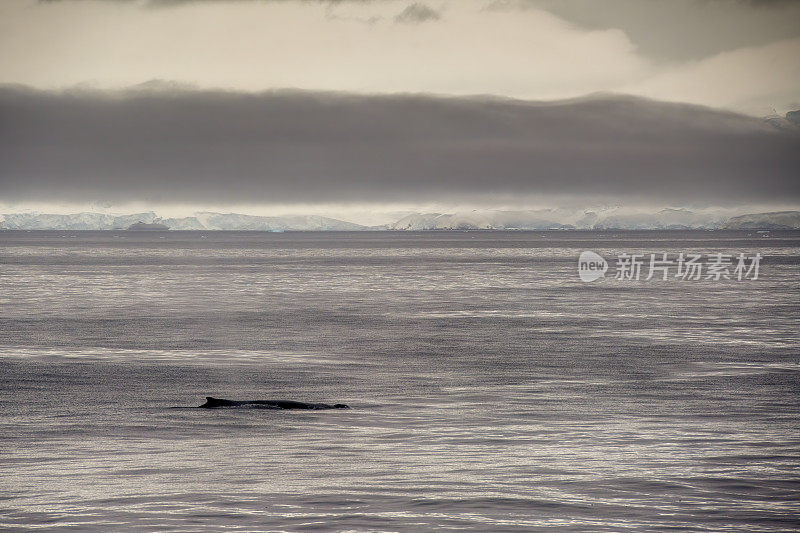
(491, 389)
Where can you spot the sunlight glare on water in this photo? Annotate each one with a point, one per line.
(491, 390)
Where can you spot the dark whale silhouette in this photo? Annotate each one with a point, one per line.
(215, 403)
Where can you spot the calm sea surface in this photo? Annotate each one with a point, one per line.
(491, 389)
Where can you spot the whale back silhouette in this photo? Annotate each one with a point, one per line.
(215, 403)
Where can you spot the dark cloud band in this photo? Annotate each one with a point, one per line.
(178, 145)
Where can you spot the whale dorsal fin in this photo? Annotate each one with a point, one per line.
(212, 402)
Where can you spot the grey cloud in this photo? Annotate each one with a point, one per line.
(187, 146)
(157, 3)
(768, 3)
(679, 30)
(674, 30)
(753, 2)
(417, 13)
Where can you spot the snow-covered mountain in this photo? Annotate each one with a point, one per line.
(200, 221)
(663, 219)
(483, 219)
(774, 220)
(542, 219)
(236, 221)
(77, 221)
(538, 219)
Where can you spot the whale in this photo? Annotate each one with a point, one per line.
(217, 403)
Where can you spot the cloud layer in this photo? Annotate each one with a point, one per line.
(168, 145)
(724, 53)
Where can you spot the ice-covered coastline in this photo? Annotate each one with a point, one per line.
(539, 219)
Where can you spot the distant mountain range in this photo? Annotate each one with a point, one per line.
(200, 221)
(541, 219)
(610, 219)
(774, 220)
(235, 221)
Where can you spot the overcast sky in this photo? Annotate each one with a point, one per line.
(72, 129)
